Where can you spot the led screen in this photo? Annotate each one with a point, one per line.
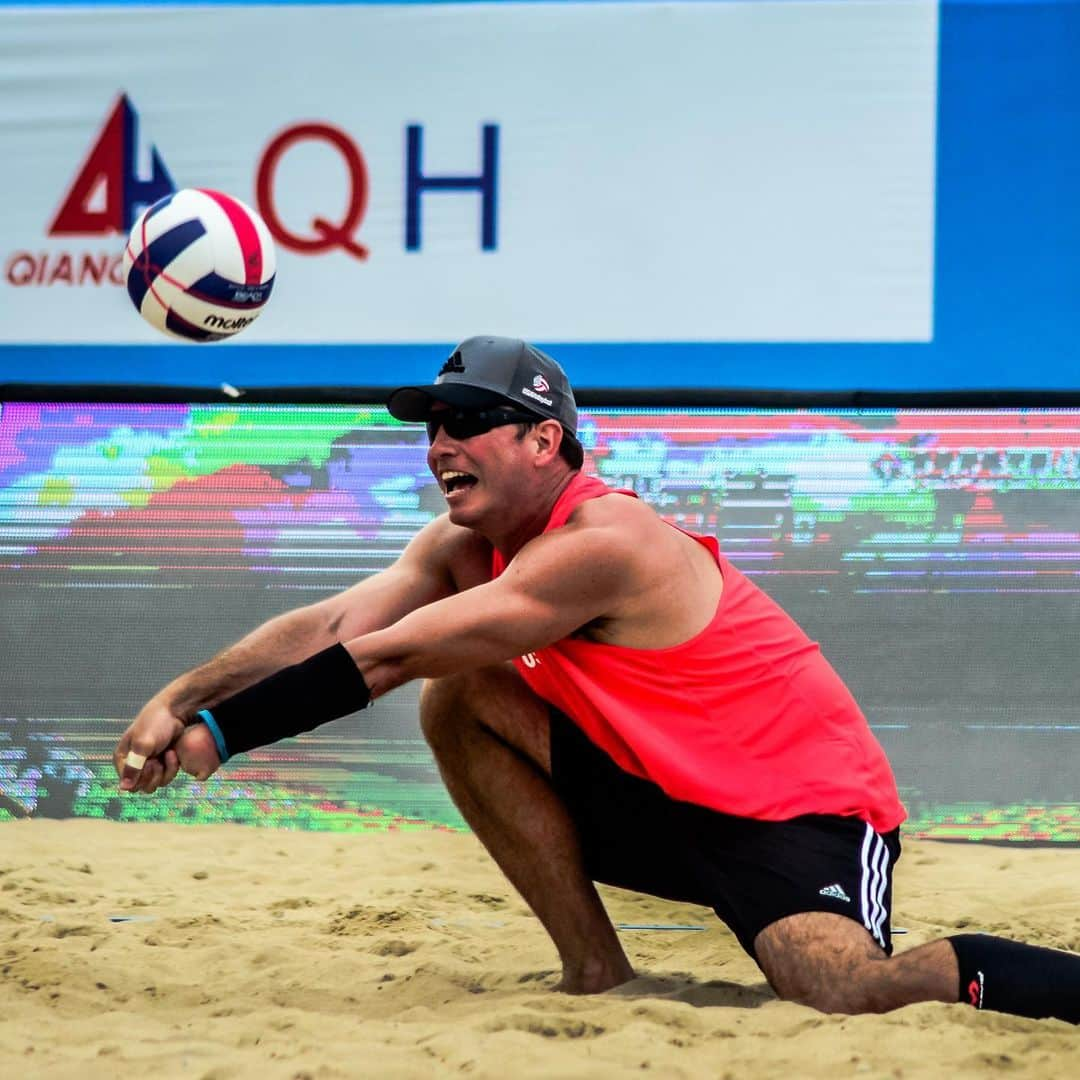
(934, 554)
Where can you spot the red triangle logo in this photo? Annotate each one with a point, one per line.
(103, 170)
(108, 194)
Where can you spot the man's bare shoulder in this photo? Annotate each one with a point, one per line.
(616, 528)
(632, 535)
(614, 510)
(664, 585)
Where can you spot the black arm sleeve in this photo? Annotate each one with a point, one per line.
(298, 698)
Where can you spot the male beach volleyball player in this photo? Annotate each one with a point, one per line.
(608, 699)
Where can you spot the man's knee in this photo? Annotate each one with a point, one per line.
(825, 961)
(443, 705)
(458, 709)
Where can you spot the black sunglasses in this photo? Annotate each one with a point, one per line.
(465, 423)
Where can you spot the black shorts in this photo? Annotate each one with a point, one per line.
(750, 872)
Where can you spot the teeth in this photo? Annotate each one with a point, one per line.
(448, 480)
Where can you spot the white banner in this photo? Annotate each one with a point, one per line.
(743, 171)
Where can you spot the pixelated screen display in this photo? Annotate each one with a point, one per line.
(934, 554)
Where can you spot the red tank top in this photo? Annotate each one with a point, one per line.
(747, 717)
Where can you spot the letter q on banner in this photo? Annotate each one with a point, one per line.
(327, 234)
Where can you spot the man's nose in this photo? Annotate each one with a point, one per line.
(441, 443)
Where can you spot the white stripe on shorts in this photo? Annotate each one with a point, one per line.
(875, 862)
(883, 876)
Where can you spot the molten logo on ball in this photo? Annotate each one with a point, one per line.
(199, 265)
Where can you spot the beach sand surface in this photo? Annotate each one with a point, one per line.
(225, 952)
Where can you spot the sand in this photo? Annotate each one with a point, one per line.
(259, 953)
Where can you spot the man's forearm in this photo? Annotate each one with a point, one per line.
(284, 640)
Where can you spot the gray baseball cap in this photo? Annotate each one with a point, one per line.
(486, 371)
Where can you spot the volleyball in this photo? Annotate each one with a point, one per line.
(199, 265)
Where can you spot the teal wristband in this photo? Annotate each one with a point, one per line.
(207, 717)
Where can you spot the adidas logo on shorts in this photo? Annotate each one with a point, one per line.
(835, 891)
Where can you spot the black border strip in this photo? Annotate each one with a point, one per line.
(659, 397)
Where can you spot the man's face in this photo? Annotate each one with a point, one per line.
(478, 459)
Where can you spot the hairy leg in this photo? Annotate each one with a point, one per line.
(833, 964)
(491, 738)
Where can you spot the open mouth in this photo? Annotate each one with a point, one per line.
(456, 483)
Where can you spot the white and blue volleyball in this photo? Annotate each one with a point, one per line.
(199, 265)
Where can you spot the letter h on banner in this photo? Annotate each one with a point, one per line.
(416, 183)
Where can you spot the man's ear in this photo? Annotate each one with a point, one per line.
(548, 434)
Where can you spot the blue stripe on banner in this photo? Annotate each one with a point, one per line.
(158, 255)
(334, 3)
(216, 289)
(632, 365)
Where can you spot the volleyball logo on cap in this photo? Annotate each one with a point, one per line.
(199, 265)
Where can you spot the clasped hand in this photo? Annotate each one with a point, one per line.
(168, 746)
